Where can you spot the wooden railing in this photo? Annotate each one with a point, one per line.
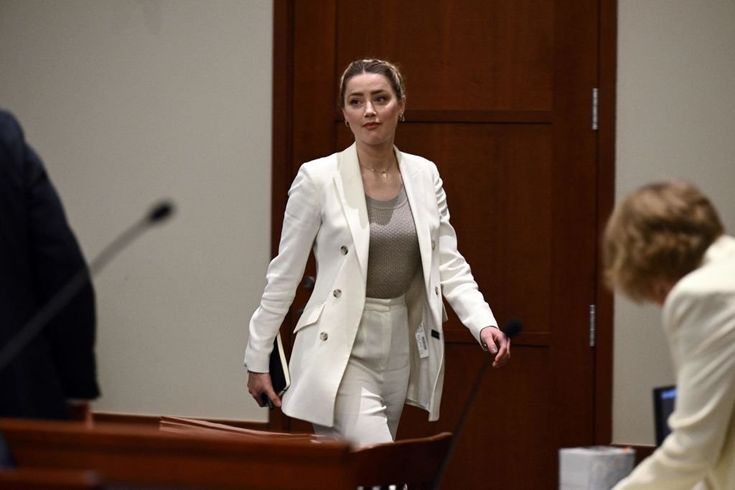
(137, 457)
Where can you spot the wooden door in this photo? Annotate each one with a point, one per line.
(500, 96)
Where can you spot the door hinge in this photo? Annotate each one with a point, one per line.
(594, 108)
(593, 325)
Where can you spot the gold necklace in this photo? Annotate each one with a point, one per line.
(383, 173)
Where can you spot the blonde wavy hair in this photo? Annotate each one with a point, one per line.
(659, 232)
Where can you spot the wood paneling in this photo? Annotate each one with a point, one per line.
(500, 98)
(484, 167)
(474, 55)
(607, 62)
(508, 424)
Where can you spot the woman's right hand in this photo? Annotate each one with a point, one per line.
(259, 384)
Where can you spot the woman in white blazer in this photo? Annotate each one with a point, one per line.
(665, 244)
(370, 337)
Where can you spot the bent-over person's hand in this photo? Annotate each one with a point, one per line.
(498, 345)
(259, 384)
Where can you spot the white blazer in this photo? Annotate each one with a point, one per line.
(699, 322)
(326, 212)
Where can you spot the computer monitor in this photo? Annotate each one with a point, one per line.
(664, 400)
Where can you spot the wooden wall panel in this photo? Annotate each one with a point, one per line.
(574, 213)
(487, 172)
(475, 55)
(511, 408)
(314, 99)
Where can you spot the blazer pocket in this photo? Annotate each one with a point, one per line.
(310, 316)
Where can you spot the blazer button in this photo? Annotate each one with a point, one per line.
(323, 336)
(337, 293)
(343, 249)
(436, 290)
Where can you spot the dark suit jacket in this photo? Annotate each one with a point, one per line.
(38, 254)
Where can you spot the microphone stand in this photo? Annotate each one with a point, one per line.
(511, 329)
(160, 212)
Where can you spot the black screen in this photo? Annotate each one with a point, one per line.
(664, 399)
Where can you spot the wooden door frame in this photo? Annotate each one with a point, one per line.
(281, 165)
(282, 149)
(607, 71)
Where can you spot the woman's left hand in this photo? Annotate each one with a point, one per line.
(498, 345)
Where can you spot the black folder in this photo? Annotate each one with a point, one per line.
(278, 369)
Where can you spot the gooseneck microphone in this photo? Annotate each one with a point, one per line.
(159, 213)
(511, 329)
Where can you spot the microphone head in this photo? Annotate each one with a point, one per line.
(512, 328)
(160, 212)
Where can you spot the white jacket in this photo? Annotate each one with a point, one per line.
(699, 322)
(326, 211)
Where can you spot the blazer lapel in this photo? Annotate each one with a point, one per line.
(352, 196)
(417, 193)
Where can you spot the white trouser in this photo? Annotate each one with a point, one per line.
(373, 390)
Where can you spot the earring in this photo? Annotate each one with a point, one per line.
(347, 124)
(402, 118)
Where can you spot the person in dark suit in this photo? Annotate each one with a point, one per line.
(54, 376)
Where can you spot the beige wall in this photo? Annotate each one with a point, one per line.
(129, 101)
(675, 118)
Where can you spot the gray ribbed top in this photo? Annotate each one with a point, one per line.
(394, 253)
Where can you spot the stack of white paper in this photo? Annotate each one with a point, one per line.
(594, 467)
